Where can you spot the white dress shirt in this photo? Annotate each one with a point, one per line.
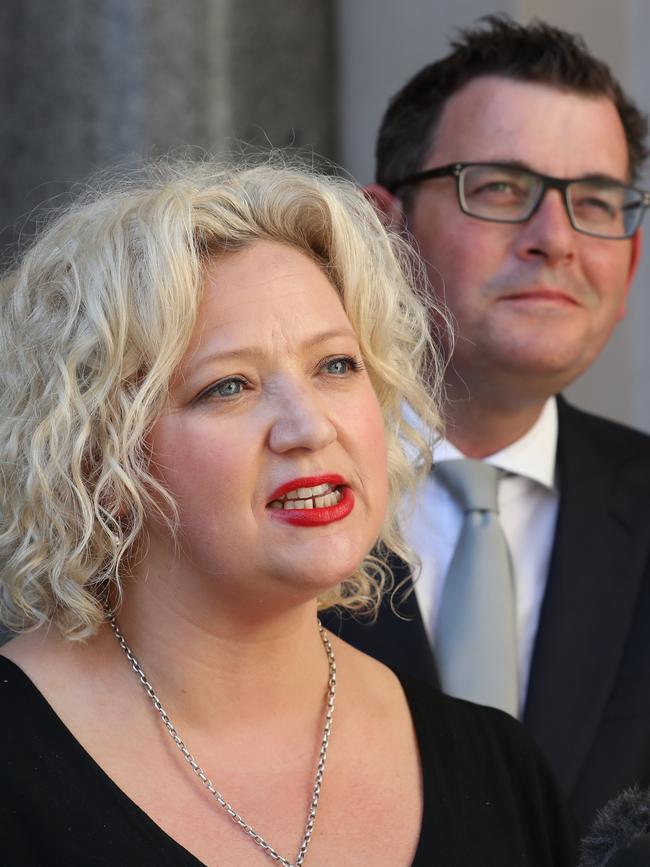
(528, 500)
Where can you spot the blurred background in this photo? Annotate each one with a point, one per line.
(88, 83)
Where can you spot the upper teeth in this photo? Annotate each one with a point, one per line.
(306, 493)
(318, 497)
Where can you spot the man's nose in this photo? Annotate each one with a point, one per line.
(301, 421)
(548, 234)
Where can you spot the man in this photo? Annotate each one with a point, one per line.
(473, 158)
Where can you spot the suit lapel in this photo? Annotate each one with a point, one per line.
(601, 544)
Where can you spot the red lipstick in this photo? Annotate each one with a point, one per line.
(307, 482)
(318, 515)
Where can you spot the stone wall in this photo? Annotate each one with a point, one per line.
(91, 82)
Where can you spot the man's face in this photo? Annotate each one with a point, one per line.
(534, 302)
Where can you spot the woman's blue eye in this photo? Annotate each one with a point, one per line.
(230, 387)
(339, 366)
(225, 388)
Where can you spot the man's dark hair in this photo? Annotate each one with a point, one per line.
(536, 52)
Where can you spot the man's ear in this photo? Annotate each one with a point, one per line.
(635, 256)
(387, 205)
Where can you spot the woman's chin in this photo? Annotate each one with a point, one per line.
(328, 568)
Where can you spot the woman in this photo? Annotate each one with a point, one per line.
(203, 378)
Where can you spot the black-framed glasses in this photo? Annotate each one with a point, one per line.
(504, 193)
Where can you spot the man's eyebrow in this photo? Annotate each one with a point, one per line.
(246, 352)
(585, 176)
(605, 179)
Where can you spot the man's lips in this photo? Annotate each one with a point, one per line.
(554, 296)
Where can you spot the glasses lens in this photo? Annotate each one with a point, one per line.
(608, 209)
(498, 192)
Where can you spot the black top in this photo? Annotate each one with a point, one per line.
(488, 799)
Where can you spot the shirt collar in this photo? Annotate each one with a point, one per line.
(531, 456)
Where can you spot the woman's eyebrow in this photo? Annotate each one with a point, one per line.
(254, 351)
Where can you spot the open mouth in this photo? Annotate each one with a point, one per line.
(316, 497)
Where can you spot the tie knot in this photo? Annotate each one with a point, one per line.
(473, 484)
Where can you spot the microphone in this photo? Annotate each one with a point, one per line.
(620, 835)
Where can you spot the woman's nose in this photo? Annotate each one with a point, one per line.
(301, 421)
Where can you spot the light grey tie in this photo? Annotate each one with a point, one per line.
(475, 637)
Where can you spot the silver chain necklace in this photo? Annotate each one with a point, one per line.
(200, 773)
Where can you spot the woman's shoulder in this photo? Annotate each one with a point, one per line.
(14, 683)
(35, 742)
(27, 718)
(376, 687)
(16, 687)
(43, 682)
(28, 662)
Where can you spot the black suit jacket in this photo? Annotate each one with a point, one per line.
(588, 701)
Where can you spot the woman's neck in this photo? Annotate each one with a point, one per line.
(198, 661)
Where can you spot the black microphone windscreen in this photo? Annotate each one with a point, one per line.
(636, 854)
(620, 822)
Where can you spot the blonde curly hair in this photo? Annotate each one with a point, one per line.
(94, 320)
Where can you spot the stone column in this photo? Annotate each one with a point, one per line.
(91, 82)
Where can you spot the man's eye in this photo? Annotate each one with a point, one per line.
(501, 188)
(595, 204)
